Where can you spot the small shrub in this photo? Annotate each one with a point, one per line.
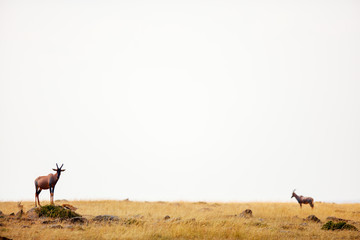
(56, 212)
(330, 225)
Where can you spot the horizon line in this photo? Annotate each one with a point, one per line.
(182, 200)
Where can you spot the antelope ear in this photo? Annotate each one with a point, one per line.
(54, 169)
(62, 170)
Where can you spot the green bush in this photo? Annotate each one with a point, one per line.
(330, 225)
(349, 227)
(56, 212)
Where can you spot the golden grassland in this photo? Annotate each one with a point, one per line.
(188, 220)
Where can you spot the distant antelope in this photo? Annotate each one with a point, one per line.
(46, 182)
(20, 206)
(303, 200)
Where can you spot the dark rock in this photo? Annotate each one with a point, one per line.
(49, 222)
(5, 238)
(246, 214)
(106, 218)
(335, 219)
(19, 214)
(167, 217)
(57, 226)
(12, 214)
(313, 218)
(32, 214)
(79, 220)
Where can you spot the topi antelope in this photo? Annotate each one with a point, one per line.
(46, 182)
(303, 200)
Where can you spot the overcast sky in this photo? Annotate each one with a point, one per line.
(181, 100)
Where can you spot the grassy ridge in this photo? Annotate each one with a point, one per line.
(188, 220)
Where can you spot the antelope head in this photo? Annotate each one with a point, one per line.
(58, 169)
(293, 194)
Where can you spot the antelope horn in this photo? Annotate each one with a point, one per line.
(57, 166)
(61, 166)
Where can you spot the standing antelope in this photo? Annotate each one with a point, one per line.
(303, 200)
(46, 182)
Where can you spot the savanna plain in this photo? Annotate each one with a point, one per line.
(182, 220)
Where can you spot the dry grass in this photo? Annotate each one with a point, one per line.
(188, 220)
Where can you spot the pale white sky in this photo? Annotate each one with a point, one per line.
(181, 100)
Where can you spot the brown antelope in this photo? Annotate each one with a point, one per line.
(46, 182)
(21, 210)
(303, 200)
